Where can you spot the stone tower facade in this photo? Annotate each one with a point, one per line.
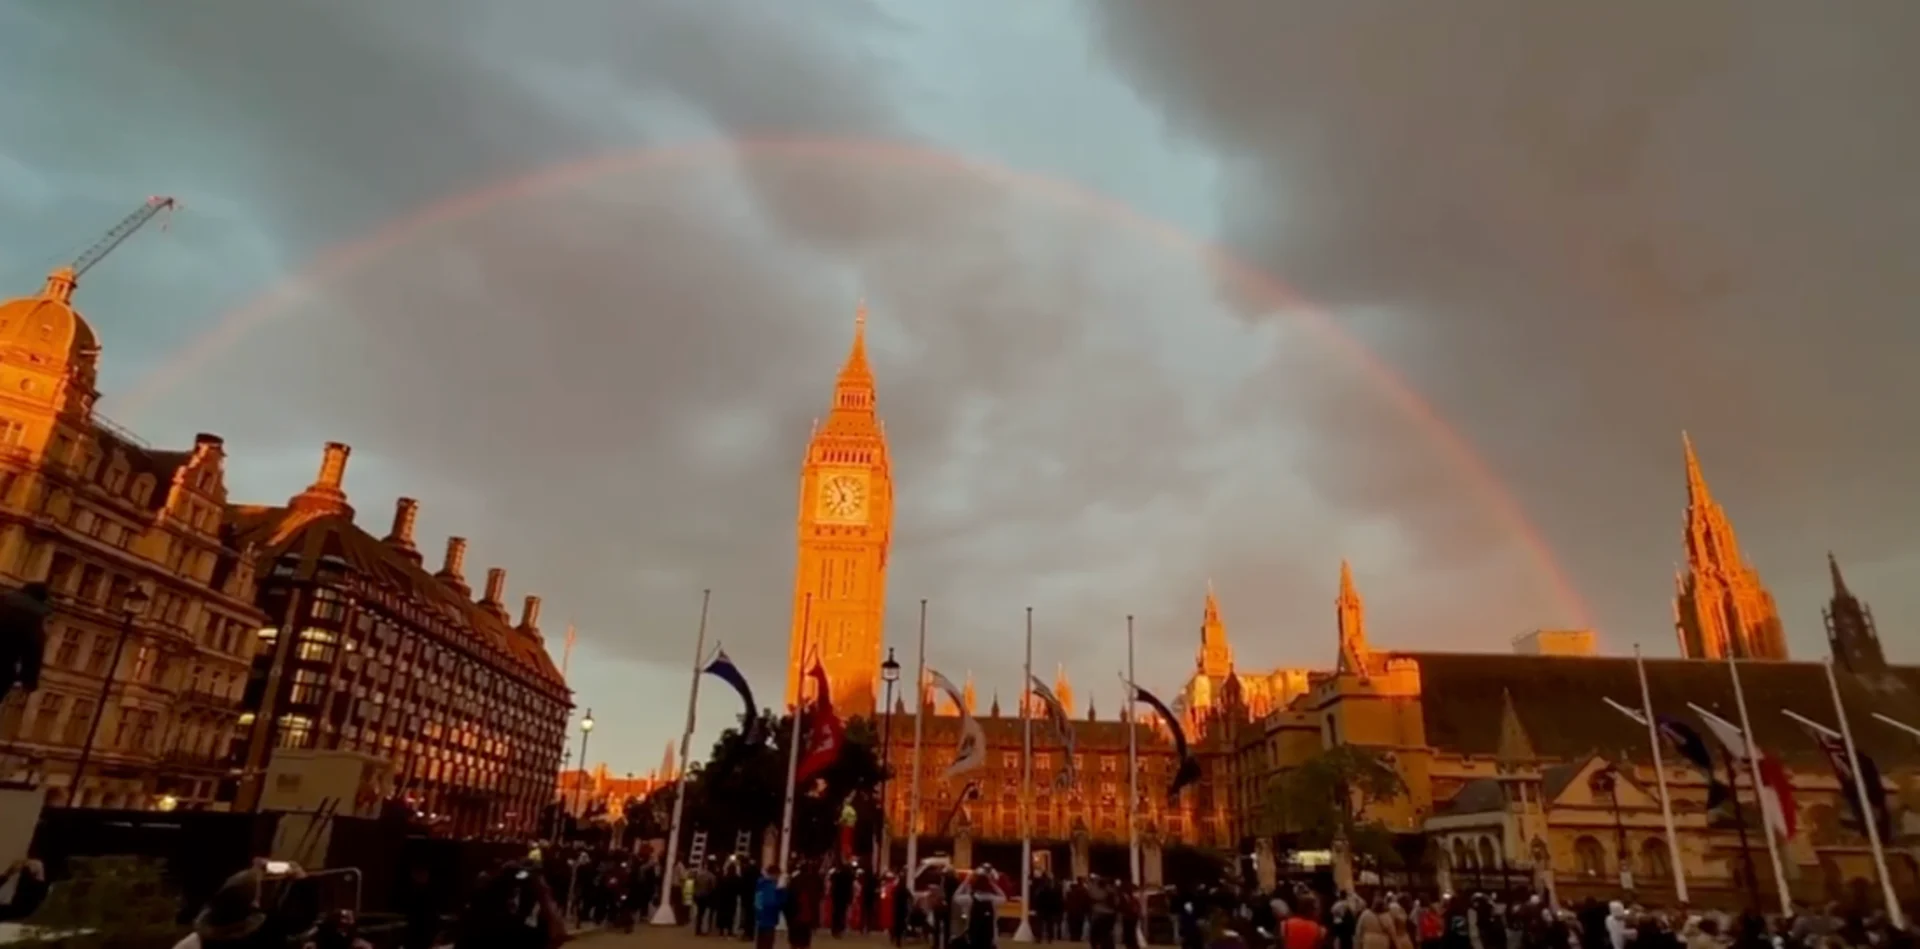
(1850, 630)
(1721, 609)
(845, 526)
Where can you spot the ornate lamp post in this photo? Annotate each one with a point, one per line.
(580, 790)
(1607, 781)
(132, 606)
(889, 673)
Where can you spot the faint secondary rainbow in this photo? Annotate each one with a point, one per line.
(343, 258)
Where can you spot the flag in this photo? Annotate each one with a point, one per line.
(1187, 770)
(822, 735)
(1771, 786)
(1776, 797)
(972, 755)
(1835, 749)
(1062, 726)
(969, 793)
(723, 669)
(1692, 747)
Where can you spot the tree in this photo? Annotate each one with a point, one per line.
(742, 785)
(109, 903)
(1326, 798)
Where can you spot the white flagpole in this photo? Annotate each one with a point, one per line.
(1753, 775)
(1660, 775)
(919, 730)
(793, 744)
(1133, 769)
(663, 916)
(1025, 932)
(1903, 726)
(1866, 806)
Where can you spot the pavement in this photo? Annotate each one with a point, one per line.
(682, 937)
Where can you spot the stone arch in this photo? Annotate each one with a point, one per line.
(1656, 860)
(1488, 857)
(1589, 857)
(1462, 855)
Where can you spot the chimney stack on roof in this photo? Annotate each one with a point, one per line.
(405, 512)
(530, 613)
(326, 494)
(494, 600)
(451, 570)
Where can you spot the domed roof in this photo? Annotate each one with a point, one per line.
(48, 324)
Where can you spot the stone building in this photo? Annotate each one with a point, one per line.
(367, 651)
(1517, 770)
(154, 613)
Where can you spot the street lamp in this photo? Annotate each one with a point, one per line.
(889, 673)
(586, 729)
(132, 605)
(1607, 781)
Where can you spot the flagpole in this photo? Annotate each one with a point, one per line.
(663, 916)
(1867, 814)
(1025, 932)
(919, 730)
(793, 744)
(1753, 775)
(1133, 769)
(1660, 776)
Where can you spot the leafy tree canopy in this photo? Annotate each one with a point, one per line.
(742, 786)
(1326, 797)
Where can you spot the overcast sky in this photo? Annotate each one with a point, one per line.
(1141, 275)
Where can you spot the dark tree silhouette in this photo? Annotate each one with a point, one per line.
(742, 787)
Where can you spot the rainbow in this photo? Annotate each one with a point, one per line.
(342, 259)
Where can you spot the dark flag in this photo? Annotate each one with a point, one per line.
(822, 735)
(723, 669)
(1693, 747)
(1187, 770)
(969, 793)
(1836, 751)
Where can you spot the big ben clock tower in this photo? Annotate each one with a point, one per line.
(846, 521)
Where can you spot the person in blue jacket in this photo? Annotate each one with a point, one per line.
(769, 897)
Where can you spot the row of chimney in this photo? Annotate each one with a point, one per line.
(326, 494)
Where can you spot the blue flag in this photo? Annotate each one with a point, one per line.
(723, 669)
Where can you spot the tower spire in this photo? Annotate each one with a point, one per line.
(1722, 609)
(1851, 634)
(853, 390)
(1216, 654)
(1350, 617)
(1697, 494)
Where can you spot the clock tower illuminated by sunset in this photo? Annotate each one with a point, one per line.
(846, 523)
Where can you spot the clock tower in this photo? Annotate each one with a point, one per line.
(846, 522)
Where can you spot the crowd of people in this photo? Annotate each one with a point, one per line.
(535, 902)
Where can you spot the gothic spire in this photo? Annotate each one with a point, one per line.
(1350, 618)
(853, 390)
(1216, 654)
(1851, 634)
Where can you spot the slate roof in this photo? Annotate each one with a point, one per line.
(1558, 701)
(317, 534)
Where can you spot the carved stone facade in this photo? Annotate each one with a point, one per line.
(154, 612)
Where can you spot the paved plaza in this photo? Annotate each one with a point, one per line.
(682, 937)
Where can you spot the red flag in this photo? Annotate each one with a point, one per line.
(1780, 813)
(822, 734)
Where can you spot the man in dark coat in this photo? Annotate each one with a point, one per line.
(23, 637)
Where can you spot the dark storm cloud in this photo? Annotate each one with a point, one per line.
(608, 385)
(1585, 227)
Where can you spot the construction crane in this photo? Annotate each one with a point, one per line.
(61, 282)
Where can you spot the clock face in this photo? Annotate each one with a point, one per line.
(843, 497)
